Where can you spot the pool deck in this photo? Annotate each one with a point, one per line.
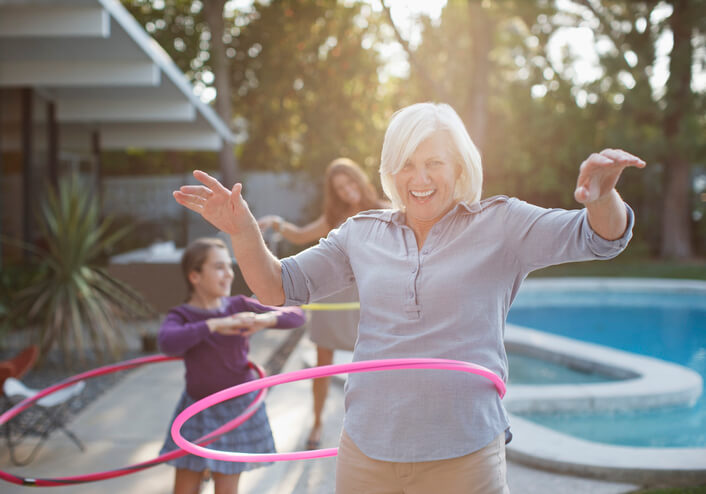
(648, 382)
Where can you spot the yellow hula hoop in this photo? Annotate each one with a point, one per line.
(333, 306)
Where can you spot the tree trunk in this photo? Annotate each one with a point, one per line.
(482, 35)
(213, 12)
(676, 222)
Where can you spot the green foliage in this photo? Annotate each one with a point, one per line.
(674, 490)
(179, 27)
(70, 297)
(627, 265)
(307, 86)
(13, 278)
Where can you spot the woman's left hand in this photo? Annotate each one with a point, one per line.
(600, 172)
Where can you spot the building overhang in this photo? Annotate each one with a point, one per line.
(103, 72)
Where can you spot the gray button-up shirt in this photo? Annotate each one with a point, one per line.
(448, 299)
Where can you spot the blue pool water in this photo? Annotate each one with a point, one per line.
(670, 326)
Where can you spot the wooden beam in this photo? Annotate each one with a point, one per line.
(52, 144)
(27, 161)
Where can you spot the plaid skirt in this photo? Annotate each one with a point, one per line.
(252, 436)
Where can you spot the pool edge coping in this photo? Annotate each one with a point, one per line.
(541, 447)
(652, 382)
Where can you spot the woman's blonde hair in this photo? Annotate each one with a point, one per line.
(412, 125)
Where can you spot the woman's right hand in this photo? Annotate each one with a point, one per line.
(225, 209)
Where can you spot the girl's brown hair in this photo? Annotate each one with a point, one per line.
(195, 255)
(335, 210)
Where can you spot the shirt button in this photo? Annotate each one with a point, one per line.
(425, 252)
(414, 269)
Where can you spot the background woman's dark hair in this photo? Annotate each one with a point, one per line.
(335, 210)
(195, 255)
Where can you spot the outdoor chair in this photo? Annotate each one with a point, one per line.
(18, 365)
(42, 418)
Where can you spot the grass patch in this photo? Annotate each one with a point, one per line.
(674, 490)
(628, 268)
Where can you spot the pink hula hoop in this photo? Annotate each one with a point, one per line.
(109, 474)
(311, 373)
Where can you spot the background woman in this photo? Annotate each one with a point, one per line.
(347, 191)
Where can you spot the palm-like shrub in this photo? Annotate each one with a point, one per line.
(72, 301)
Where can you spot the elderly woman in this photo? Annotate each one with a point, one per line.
(436, 276)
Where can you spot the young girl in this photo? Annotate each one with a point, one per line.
(347, 192)
(210, 331)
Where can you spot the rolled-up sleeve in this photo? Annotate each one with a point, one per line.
(607, 249)
(318, 271)
(543, 237)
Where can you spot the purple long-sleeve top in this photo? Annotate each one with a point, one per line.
(215, 361)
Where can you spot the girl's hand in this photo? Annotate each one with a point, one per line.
(261, 321)
(600, 172)
(242, 323)
(225, 209)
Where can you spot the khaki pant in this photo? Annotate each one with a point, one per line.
(481, 472)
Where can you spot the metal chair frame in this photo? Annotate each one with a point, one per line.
(49, 413)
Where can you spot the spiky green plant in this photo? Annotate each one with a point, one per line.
(72, 300)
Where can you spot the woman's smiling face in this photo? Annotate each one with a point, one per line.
(427, 180)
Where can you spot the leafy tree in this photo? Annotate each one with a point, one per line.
(667, 120)
(305, 79)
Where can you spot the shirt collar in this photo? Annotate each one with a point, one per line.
(397, 217)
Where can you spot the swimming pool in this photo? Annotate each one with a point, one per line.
(645, 318)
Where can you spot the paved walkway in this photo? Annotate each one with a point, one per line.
(127, 424)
